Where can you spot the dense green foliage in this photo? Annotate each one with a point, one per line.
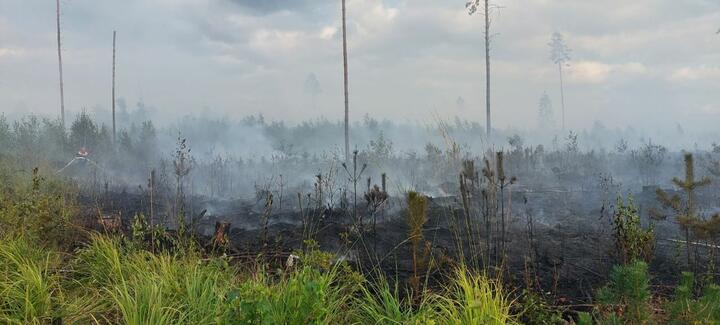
(626, 297)
(685, 308)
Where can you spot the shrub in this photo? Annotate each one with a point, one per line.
(632, 242)
(40, 208)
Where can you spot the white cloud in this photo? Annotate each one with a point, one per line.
(599, 72)
(695, 73)
(328, 32)
(9, 52)
(589, 72)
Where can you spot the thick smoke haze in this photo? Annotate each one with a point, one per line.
(651, 65)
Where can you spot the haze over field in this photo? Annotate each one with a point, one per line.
(360, 162)
(647, 63)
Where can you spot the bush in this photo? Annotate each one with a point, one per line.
(632, 242)
(40, 208)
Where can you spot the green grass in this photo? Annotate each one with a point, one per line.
(45, 279)
(469, 299)
(379, 303)
(475, 299)
(145, 288)
(106, 283)
(26, 284)
(32, 290)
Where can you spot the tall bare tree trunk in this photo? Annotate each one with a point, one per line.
(345, 71)
(113, 89)
(151, 187)
(562, 95)
(62, 94)
(487, 68)
(152, 197)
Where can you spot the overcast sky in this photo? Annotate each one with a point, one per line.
(641, 62)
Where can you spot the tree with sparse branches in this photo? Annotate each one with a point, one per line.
(560, 55)
(473, 6)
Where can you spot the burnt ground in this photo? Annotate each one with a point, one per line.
(572, 235)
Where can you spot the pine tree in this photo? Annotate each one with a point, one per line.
(560, 55)
(684, 209)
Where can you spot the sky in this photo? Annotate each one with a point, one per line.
(642, 63)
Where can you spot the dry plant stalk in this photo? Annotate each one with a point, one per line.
(417, 217)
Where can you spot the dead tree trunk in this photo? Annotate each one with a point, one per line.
(113, 89)
(62, 94)
(562, 95)
(345, 74)
(487, 69)
(152, 197)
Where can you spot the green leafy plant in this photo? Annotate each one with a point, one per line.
(632, 242)
(535, 310)
(40, 208)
